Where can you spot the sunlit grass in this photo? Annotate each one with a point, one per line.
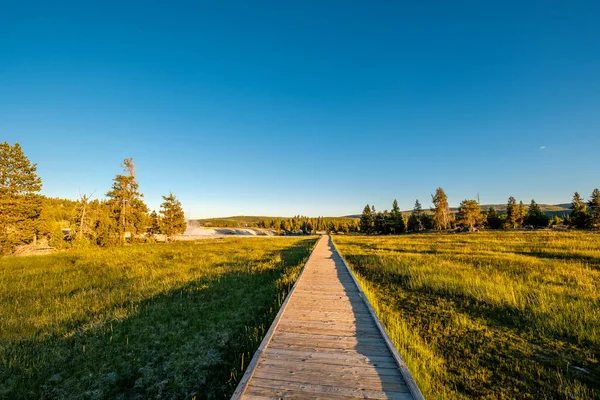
(163, 320)
(492, 314)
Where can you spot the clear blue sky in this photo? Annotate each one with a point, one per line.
(308, 107)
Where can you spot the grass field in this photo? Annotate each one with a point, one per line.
(495, 315)
(162, 321)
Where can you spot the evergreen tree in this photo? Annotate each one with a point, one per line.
(20, 203)
(536, 217)
(401, 224)
(106, 227)
(441, 210)
(580, 216)
(493, 220)
(512, 213)
(397, 224)
(470, 213)
(172, 221)
(521, 213)
(154, 228)
(366, 220)
(129, 210)
(427, 221)
(380, 223)
(415, 222)
(309, 227)
(594, 205)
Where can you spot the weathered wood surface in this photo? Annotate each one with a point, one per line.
(326, 342)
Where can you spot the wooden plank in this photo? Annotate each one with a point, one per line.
(350, 305)
(330, 318)
(339, 355)
(329, 347)
(334, 340)
(359, 369)
(337, 326)
(326, 362)
(328, 331)
(329, 301)
(347, 315)
(348, 380)
(288, 394)
(328, 390)
(318, 336)
(363, 350)
(338, 372)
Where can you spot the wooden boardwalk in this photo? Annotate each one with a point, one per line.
(326, 342)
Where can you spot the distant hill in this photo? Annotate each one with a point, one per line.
(549, 209)
(233, 222)
(249, 221)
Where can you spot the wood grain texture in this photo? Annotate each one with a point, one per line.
(326, 342)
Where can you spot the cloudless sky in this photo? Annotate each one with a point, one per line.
(307, 107)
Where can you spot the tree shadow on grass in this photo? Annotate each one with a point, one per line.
(593, 262)
(176, 345)
(503, 343)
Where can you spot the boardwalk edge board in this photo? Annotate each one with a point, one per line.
(241, 388)
(410, 382)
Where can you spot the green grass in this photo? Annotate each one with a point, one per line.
(162, 321)
(496, 315)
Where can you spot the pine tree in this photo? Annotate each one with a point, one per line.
(441, 211)
(172, 221)
(493, 220)
(106, 229)
(536, 217)
(511, 213)
(427, 221)
(366, 220)
(521, 213)
(20, 203)
(470, 213)
(154, 228)
(580, 216)
(380, 222)
(309, 227)
(415, 222)
(129, 210)
(397, 224)
(594, 205)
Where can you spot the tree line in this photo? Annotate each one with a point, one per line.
(27, 216)
(309, 225)
(583, 215)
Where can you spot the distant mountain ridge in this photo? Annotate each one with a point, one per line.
(252, 220)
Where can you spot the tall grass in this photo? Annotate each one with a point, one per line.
(159, 321)
(492, 314)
